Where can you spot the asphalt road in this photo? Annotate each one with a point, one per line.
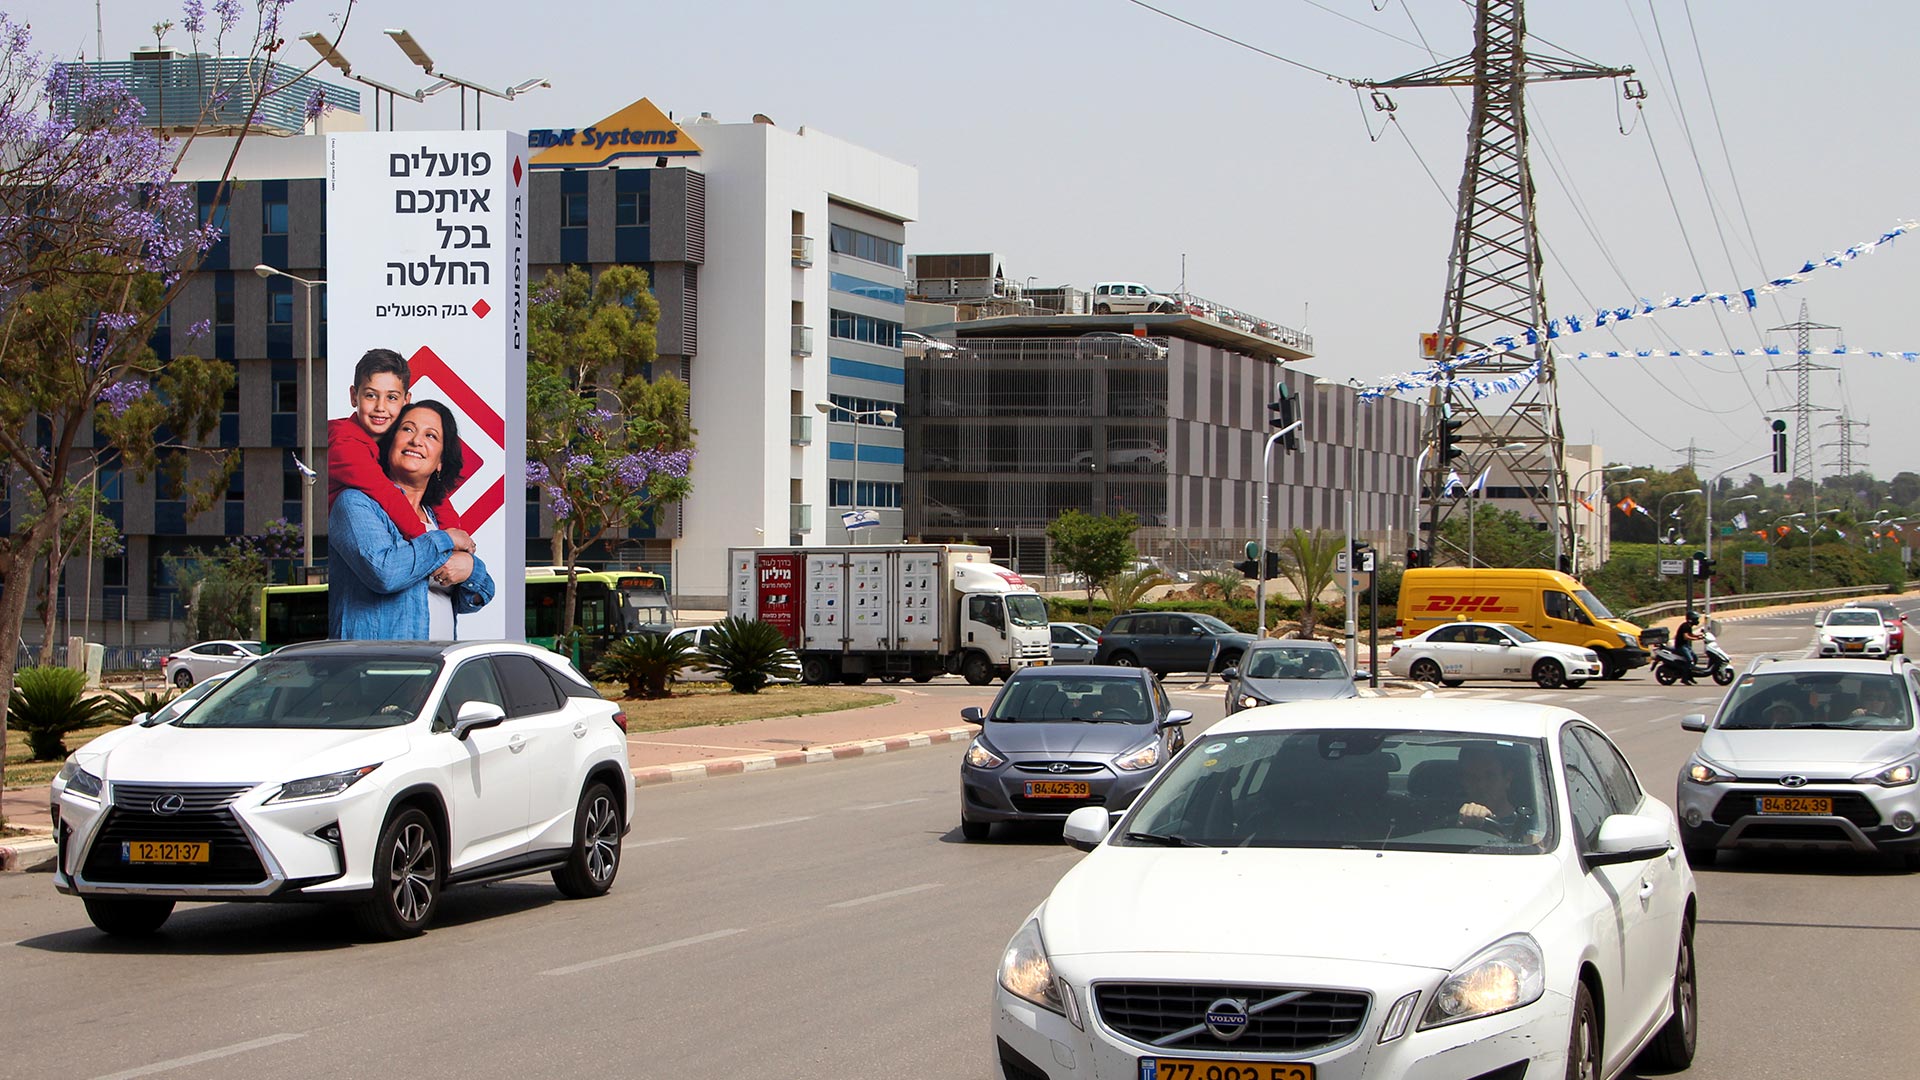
(828, 922)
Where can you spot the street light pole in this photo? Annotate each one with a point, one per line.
(307, 401)
(1707, 602)
(1575, 494)
(1266, 523)
(828, 409)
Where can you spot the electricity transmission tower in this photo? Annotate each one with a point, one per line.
(1803, 368)
(1493, 278)
(1846, 442)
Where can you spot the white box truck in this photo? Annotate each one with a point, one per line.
(892, 610)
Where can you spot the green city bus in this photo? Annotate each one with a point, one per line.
(608, 605)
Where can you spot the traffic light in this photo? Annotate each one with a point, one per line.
(1273, 565)
(1283, 410)
(1416, 558)
(1360, 557)
(1250, 568)
(1779, 446)
(1449, 432)
(1702, 566)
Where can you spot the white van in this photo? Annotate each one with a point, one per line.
(1129, 297)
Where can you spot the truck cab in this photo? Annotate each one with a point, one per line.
(1003, 622)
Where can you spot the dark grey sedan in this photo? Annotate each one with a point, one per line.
(1273, 672)
(1058, 739)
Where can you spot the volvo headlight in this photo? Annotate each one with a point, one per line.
(1026, 973)
(980, 757)
(1144, 758)
(1893, 775)
(1702, 771)
(319, 787)
(79, 781)
(1506, 975)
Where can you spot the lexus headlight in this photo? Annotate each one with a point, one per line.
(1702, 771)
(1893, 775)
(980, 757)
(1026, 973)
(1506, 975)
(319, 787)
(79, 781)
(1144, 758)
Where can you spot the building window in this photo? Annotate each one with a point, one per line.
(286, 395)
(223, 299)
(215, 214)
(280, 302)
(290, 484)
(631, 208)
(573, 210)
(237, 486)
(874, 494)
(274, 218)
(872, 290)
(845, 406)
(230, 401)
(882, 332)
(842, 240)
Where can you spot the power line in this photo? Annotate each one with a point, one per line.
(1231, 40)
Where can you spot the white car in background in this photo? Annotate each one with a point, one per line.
(196, 662)
(375, 773)
(1853, 631)
(1454, 653)
(1348, 908)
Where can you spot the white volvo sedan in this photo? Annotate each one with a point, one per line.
(377, 773)
(1456, 652)
(1416, 889)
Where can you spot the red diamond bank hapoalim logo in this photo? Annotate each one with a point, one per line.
(482, 489)
(480, 308)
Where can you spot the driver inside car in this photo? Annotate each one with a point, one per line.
(1488, 777)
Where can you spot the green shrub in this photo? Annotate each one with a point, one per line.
(747, 654)
(645, 662)
(49, 702)
(124, 705)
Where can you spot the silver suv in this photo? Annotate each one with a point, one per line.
(1807, 754)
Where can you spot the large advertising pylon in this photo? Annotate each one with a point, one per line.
(427, 257)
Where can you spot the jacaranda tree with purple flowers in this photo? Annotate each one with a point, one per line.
(607, 441)
(97, 238)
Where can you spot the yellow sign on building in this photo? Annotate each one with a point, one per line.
(639, 130)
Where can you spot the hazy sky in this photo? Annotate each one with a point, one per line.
(1087, 140)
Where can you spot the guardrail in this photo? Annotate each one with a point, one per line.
(1677, 607)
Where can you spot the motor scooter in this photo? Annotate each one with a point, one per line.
(1670, 666)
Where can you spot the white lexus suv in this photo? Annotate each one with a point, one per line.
(377, 773)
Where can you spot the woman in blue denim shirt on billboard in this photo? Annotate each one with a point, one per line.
(383, 587)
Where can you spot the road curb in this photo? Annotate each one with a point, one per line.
(28, 856)
(813, 755)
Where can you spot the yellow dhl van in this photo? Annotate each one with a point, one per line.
(1545, 603)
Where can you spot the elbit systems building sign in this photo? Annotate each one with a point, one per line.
(427, 256)
(639, 130)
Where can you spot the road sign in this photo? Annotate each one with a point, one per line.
(1673, 567)
(1341, 563)
(1753, 558)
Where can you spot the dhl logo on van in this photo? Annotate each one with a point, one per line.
(1441, 604)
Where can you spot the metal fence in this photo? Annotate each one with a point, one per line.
(1723, 603)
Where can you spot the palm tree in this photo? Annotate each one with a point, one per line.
(1125, 589)
(1307, 560)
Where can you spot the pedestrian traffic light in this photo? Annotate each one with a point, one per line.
(1779, 446)
(1248, 568)
(1449, 434)
(1282, 411)
(1360, 557)
(1702, 566)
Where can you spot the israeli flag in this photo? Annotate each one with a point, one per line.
(1480, 481)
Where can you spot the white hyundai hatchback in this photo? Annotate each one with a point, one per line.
(1416, 889)
(377, 773)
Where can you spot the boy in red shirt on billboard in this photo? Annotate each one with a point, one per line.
(380, 391)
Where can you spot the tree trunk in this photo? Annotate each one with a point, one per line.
(50, 606)
(13, 616)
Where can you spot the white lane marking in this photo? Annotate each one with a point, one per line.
(877, 897)
(653, 843)
(767, 824)
(205, 1056)
(886, 805)
(1539, 697)
(651, 950)
(1643, 700)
